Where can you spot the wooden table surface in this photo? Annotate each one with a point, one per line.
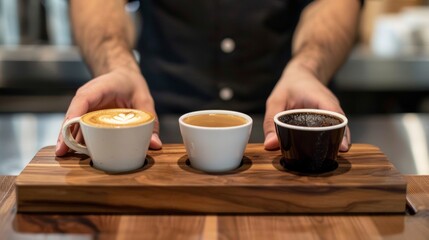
(364, 182)
(413, 225)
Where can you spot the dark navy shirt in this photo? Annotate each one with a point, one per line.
(210, 54)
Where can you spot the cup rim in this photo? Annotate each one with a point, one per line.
(218, 111)
(327, 112)
(152, 119)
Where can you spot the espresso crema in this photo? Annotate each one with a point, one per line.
(115, 118)
(310, 119)
(215, 120)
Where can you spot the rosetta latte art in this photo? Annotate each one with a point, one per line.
(121, 118)
(117, 118)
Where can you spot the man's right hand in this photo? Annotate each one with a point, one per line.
(120, 88)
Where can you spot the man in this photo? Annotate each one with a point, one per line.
(240, 55)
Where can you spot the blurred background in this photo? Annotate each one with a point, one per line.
(383, 86)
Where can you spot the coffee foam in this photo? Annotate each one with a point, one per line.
(117, 118)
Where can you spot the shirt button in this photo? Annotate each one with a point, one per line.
(226, 93)
(227, 45)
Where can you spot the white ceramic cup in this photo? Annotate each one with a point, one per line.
(215, 149)
(112, 149)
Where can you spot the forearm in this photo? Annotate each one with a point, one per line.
(324, 36)
(104, 33)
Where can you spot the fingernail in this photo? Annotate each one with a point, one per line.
(157, 141)
(270, 142)
(58, 146)
(269, 137)
(344, 147)
(156, 138)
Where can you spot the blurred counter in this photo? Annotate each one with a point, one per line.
(365, 71)
(39, 78)
(402, 137)
(370, 84)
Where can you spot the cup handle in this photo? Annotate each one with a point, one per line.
(69, 140)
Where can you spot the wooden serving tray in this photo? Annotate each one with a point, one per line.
(364, 182)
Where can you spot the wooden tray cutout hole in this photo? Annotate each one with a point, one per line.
(185, 165)
(147, 164)
(334, 168)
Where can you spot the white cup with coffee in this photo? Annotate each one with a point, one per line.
(215, 140)
(117, 140)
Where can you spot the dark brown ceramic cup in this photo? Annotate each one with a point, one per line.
(310, 139)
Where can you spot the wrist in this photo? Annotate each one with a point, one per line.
(308, 61)
(117, 57)
(109, 55)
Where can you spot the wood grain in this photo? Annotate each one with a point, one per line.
(365, 181)
(256, 226)
(418, 196)
(7, 203)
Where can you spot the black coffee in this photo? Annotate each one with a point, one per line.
(310, 119)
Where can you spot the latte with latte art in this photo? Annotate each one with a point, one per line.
(117, 118)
